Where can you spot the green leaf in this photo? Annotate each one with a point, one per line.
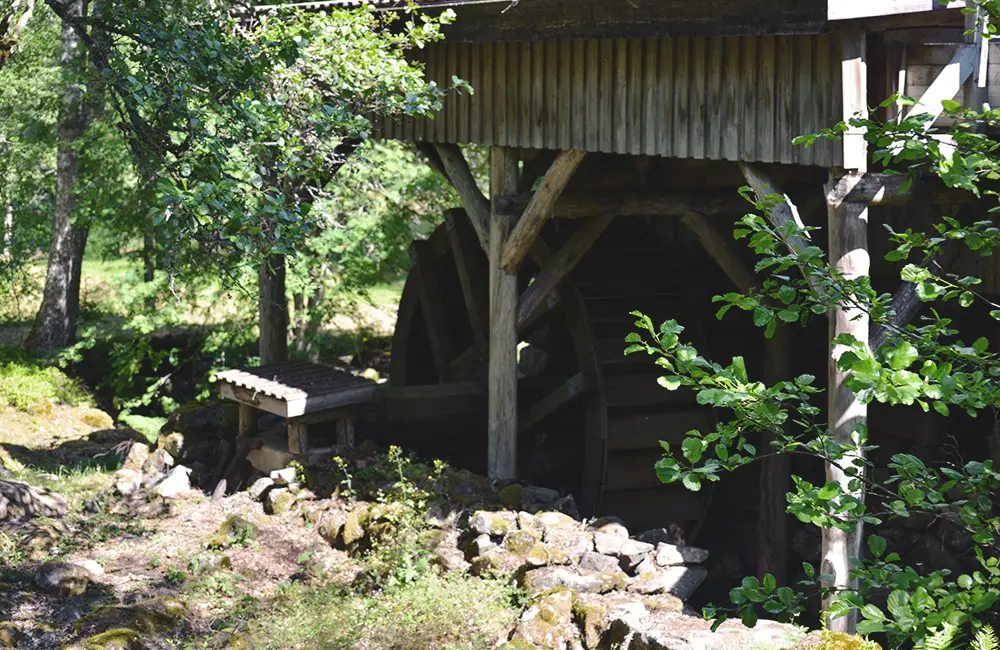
(809, 570)
(966, 299)
(635, 347)
(872, 613)
(670, 383)
(692, 482)
(870, 627)
(951, 105)
(693, 449)
(829, 491)
(739, 369)
(965, 581)
(901, 356)
(761, 316)
(876, 545)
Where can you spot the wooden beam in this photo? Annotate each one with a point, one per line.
(947, 84)
(720, 250)
(248, 420)
(435, 315)
(298, 437)
(584, 205)
(894, 189)
(552, 402)
(535, 298)
(427, 402)
(473, 274)
(854, 93)
(540, 208)
(852, 9)
(502, 381)
(781, 214)
(848, 228)
(476, 205)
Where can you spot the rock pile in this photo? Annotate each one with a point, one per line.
(20, 501)
(153, 470)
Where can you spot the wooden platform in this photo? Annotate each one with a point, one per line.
(300, 391)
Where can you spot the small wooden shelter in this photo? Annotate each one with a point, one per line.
(618, 134)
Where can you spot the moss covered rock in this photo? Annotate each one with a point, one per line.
(115, 639)
(279, 501)
(591, 617)
(234, 531)
(355, 521)
(829, 640)
(512, 496)
(172, 443)
(62, 579)
(520, 542)
(548, 623)
(497, 524)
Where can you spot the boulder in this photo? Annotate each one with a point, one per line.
(481, 544)
(62, 578)
(128, 482)
(527, 521)
(670, 555)
(176, 482)
(484, 522)
(259, 487)
(590, 561)
(496, 560)
(520, 542)
(279, 501)
(137, 456)
(635, 628)
(552, 519)
(283, 476)
(632, 552)
(172, 443)
(572, 541)
(548, 623)
(830, 640)
(539, 496)
(674, 534)
(330, 526)
(536, 581)
(609, 526)
(680, 581)
(19, 500)
(156, 467)
(608, 544)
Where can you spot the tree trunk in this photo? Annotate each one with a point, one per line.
(299, 302)
(273, 306)
(8, 232)
(149, 262)
(55, 323)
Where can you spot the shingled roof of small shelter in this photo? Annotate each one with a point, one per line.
(376, 4)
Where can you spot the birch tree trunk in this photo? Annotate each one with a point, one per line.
(55, 323)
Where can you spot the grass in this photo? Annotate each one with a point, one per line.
(447, 612)
(29, 383)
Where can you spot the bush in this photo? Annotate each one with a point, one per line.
(28, 383)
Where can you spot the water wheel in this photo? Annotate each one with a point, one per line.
(590, 418)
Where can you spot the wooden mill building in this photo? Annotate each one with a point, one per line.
(618, 133)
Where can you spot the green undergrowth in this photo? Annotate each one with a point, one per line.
(444, 612)
(28, 382)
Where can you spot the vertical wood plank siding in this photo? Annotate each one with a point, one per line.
(725, 98)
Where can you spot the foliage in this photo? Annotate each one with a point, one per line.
(26, 382)
(928, 364)
(443, 612)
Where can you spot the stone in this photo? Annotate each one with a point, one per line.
(670, 555)
(128, 482)
(664, 603)
(496, 560)
(512, 495)
(62, 578)
(172, 443)
(519, 542)
(591, 561)
(137, 456)
(527, 521)
(97, 419)
(279, 501)
(573, 541)
(233, 531)
(95, 568)
(19, 500)
(481, 544)
(548, 623)
(283, 476)
(830, 640)
(536, 581)
(542, 554)
(558, 520)
(175, 483)
(10, 635)
(260, 486)
(156, 467)
(608, 544)
(441, 516)
(680, 581)
(119, 638)
(609, 526)
(645, 568)
(632, 552)
(567, 505)
(268, 459)
(331, 525)
(591, 616)
(355, 521)
(484, 522)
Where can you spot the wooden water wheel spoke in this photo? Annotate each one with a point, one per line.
(435, 316)
(472, 273)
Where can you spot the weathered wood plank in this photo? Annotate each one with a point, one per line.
(439, 331)
(452, 102)
(699, 89)
(805, 102)
(823, 94)
(538, 94)
(457, 169)
(485, 94)
(500, 99)
(298, 437)
(540, 208)
(592, 119)
(682, 108)
(463, 100)
(749, 99)
(716, 125)
(525, 112)
(646, 430)
(578, 82)
(785, 95)
(606, 97)
(620, 115)
(502, 380)
(247, 420)
(635, 100)
(665, 95)
(947, 84)
(473, 276)
(766, 122)
(854, 95)
(478, 87)
(731, 119)
(651, 87)
(432, 401)
(564, 109)
(720, 250)
(534, 299)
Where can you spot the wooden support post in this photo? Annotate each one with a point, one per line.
(476, 205)
(298, 437)
(720, 250)
(345, 431)
(540, 208)
(248, 420)
(534, 299)
(502, 382)
(848, 234)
